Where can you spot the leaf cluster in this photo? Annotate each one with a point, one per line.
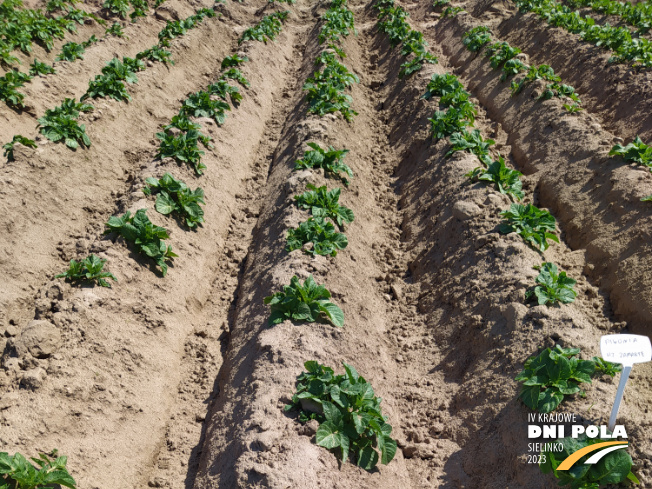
(115, 30)
(148, 238)
(174, 197)
(9, 147)
(552, 286)
(541, 72)
(307, 302)
(473, 142)
(325, 89)
(38, 68)
(321, 233)
(183, 147)
(451, 12)
(551, 375)
(507, 181)
(200, 104)
(330, 160)
(501, 52)
(157, 54)
(60, 124)
(325, 203)
(12, 80)
(477, 38)
(636, 151)
(536, 226)
(16, 472)
(338, 22)
(89, 270)
(110, 83)
(349, 414)
(267, 29)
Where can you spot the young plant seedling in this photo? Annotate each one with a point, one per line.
(234, 60)
(331, 160)
(553, 286)
(222, 89)
(9, 147)
(513, 67)
(157, 54)
(501, 52)
(64, 128)
(535, 226)
(235, 74)
(551, 375)
(268, 28)
(477, 38)
(183, 148)
(451, 12)
(115, 30)
(201, 104)
(307, 302)
(321, 233)
(507, 181)
(349, 414)
(174, 196)
(147, 237)
(89, 270)
(440, 85)
(473, 142)
(636, 151)
(447, 123)
(46, 471)
(38, 68)
(541, 72)
(325, 203)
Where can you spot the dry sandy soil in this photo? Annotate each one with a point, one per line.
(179, 382)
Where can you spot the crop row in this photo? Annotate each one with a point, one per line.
(172, 197)
(502, 54)
(70, 51)
(554, 373)
(60, 124)
(349, 413)
(636, 51)
(638, 15)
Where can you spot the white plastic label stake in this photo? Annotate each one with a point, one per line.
(626, 349)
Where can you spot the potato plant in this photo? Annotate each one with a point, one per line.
(636, 152)
(90, 270)
(477, 38)
(536, 226)
(174, 197)
(330, 160)
(307, 302)
(321, 233)
(507, 181)
(146, 237)
(552, 287)
(9, 147)
(553, 374)
(349, 414)
(325, 203)
(46, 471)
(60, 124)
